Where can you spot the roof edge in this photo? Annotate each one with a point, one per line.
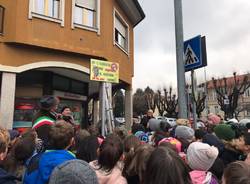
(132, 5)
(138, 6)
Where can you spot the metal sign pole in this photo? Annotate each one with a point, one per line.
(188, 101)
(206, 92)
(194, 97)
(182, 103)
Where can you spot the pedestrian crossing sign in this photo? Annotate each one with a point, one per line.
(190, 56)
(193, 53)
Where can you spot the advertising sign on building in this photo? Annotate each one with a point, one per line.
(104, 71)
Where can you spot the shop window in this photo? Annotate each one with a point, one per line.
(61, 83)
(77, 87)
(25, 108)
(30, 78)
(47, 9)
(1, 19)
(86, 14)
(121, 36)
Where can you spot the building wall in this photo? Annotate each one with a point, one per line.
(214, 107)
(18, 29)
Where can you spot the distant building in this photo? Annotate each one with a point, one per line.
(212, 104)
(46, 47)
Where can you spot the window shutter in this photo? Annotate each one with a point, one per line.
(120, 27)
(89, 4)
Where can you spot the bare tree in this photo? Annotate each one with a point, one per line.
(228, 93)
(159, 102)
(139, 103)
(200, 103)
(199, 100)
(118, 104)
(150, 98)
(170, 102)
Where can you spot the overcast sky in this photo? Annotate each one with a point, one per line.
(225, 23)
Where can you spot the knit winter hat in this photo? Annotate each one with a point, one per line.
(225, 132)
(212, 140)
(184, 132)
(73, 172)
(13, 134)
(201, 156)
(172, 141)
(47, 102)
(142, 136)
(184, 122)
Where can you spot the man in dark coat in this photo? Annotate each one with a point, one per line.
(145, 119)
(46, 117)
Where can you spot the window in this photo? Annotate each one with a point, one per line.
(52, 10)
(48, 8)
(214, 95)
(1, 19)
(216, 108)
(247, 93)
(86, 14)
(121, 35)
(65, 84)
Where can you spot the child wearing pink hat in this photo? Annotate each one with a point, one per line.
(200, 158)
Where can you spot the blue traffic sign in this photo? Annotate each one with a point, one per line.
(193, 53)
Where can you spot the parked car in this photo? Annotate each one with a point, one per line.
(119, 121)
(171, 121)
(160, 117)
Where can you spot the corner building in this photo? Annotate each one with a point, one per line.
(46, 47)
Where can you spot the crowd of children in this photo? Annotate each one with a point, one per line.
(212, 154)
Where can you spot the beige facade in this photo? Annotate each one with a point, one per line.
(243, 104)
(213, 106)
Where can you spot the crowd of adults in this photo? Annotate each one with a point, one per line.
(54, 151)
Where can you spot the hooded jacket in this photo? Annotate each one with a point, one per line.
(202, 177)
(6, 178)
(114, 176)
(47, 162)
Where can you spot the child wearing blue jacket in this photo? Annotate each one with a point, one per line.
(40, 166)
